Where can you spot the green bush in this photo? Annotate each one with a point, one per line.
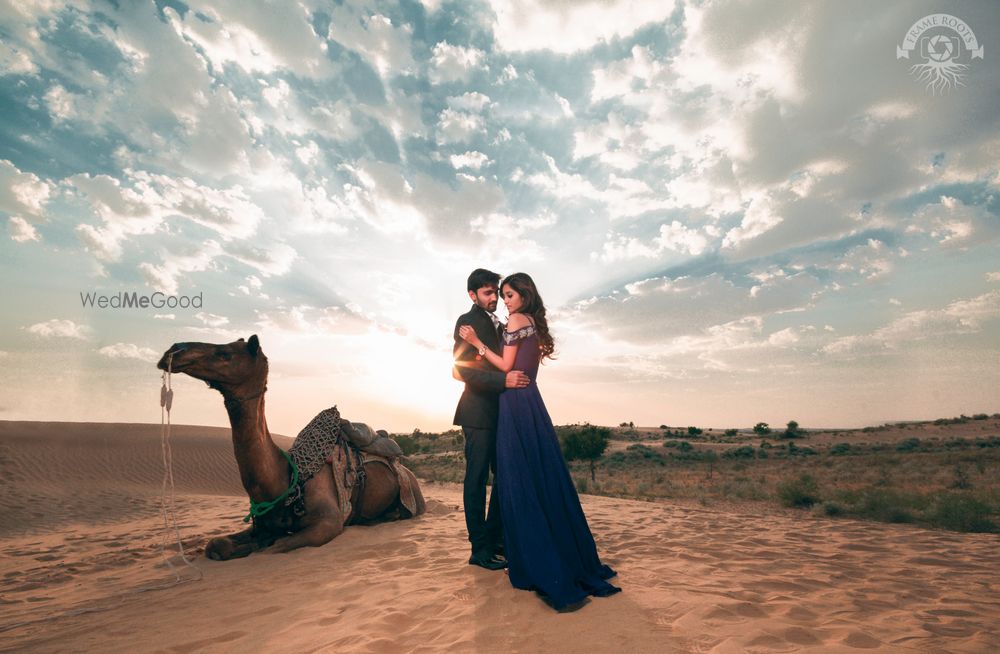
(742, 452)
(840, 449)
(730, 433)
(883, 504)
(799, 492)
(832, 509)
(961, 512)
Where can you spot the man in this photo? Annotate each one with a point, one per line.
(477, 415)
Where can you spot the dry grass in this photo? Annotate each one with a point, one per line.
(943, 475)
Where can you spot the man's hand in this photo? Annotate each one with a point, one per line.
(517, 379)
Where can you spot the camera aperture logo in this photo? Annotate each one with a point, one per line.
(945, 44)
(125, 300)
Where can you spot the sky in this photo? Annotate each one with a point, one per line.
(734, 211)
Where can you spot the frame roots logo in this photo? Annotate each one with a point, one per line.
(944, 43)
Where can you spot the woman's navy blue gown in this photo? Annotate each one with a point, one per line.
(548, 544)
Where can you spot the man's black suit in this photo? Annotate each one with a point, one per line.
(477, 415)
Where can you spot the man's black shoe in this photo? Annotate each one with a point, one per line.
(491, 563)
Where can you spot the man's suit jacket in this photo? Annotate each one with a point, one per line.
(480, 402)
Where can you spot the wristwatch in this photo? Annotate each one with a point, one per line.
(482, 350)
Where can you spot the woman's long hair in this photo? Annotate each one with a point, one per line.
(532, 305)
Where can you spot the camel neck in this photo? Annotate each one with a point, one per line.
(263, 471)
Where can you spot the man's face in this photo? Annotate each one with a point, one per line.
(486, 297)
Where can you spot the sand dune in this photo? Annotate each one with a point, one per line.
(80, 539)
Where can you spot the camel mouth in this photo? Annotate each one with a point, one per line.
(170, 357)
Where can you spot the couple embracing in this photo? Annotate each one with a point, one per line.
(535, 525)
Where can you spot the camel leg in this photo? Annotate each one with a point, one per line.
(234, 546)
(324, 520)
(380, 492)
(316, 534)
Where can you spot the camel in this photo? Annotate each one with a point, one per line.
(239, 371)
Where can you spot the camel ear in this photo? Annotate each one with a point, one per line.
(253, 345)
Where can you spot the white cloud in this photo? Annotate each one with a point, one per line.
(359, 27)
(211, 320)
(459, 126)
(566, 27)
(14, 61)
(963, 316)
(472, 102)
(150, 200)
(473, 159)
(758, 218)
(128, 351)
(257, 38)
(57, 328)
(23, 193)
(453, 63)
(21, 230)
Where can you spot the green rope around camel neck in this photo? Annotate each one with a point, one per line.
(258, 509)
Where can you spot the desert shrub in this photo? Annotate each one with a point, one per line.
(832, 509)
(980, 416)
(694, 431)
(799, 492)
(909, 445)
(644, 451)
(670, 443)
(730, 433)
(684, 446)
(795, 450)
(586, 443)
(988, 442)
(883, 504)
(961, 479)
(742, 452)
(581, 484)
(408, 444)
(761, 428)
(840, 449)
(961, 512)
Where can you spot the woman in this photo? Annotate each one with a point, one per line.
(548, 544)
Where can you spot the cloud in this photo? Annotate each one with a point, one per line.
(21, 230)
(23, 193)
(658, 309)
(385, 45)
(964, 316)
(473, 159)
(453, 63)
(150, 200)
(531, 24)
(257, 38)
(57, 328)
(14, 61)
(128, 351)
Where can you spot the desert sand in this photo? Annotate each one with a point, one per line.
(81, 569)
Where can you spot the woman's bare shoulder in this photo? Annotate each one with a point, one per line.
(517, 321)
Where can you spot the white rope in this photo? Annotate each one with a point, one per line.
(169, 518)
(169, 510)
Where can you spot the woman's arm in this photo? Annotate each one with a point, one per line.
(503, 363)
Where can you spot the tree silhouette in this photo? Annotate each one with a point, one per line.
(586, 443)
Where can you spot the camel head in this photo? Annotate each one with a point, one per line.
(235, 368)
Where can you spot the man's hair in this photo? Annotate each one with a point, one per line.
(481, 277)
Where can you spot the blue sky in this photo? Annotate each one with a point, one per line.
(735, 211)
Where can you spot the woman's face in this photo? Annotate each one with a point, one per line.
(512, 299)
